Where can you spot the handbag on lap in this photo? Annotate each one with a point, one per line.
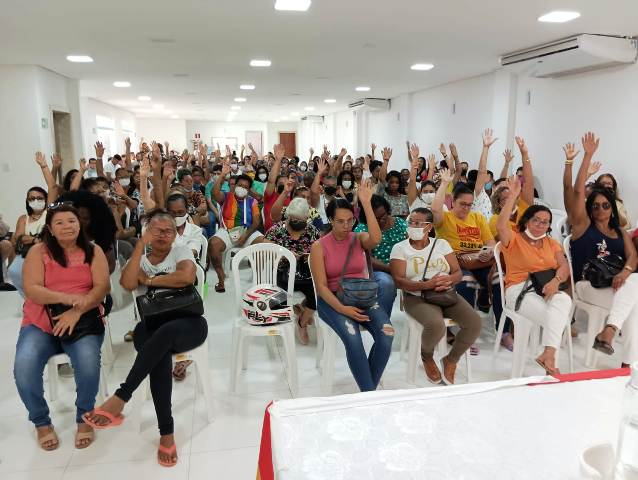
(357, 292)
(443, 299)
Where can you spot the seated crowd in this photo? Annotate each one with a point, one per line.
(362, 233)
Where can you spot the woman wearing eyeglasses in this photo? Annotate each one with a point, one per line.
(329, 261)
(409, 261)
(596, 233)
(529, 250)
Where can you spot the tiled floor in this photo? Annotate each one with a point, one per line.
(225, 449)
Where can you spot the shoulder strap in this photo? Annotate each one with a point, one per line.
(425, 271)
(345, 264)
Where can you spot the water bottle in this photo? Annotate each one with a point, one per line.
(627, 448)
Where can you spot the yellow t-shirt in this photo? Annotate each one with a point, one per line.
(522, 206)
(464, 235)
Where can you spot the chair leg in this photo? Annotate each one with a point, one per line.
(319, 351)
(203, 375)
(468, 366)
(595, 322)
(288, 338)
(237, 357)
(499, 333)
(328, 362)
(103, 391)
(107, 345)
(521, 341)
(405, 339)
(413, 351)
(271, 344)
(52, 370)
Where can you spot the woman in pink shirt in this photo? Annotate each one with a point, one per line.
(329, 260)
(64, 269)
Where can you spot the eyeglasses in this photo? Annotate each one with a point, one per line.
(604, 206)
(162, 232)
(414, 223)
(538, 221)
(465, 205)
(56, 205)
(344, 223)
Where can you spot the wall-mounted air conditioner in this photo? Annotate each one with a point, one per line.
(371, 104)
(572, 55)
(312, 118)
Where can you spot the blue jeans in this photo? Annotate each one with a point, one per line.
(387, 291)
(33, 350)
(468, 293)
(366, 371)
(15, 273)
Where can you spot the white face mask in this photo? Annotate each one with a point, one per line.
(346, 184)
(241, 192)
(125, 182)
(233, 166)
(428, 197)
(263, 177)
(416, 233)
(37, 205)
(530, 235)
(179, 221)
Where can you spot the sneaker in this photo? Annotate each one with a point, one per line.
(449, 370)
(432, 371)
(507, 342)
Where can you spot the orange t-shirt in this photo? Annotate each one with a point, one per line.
(522, 258)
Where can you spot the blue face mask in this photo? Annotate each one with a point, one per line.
(488, 186)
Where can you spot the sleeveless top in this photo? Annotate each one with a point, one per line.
(75, 278)
(334, 257)
(593, 244)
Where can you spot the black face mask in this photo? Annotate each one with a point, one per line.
(464, 172)
(280, 188)
(297, 225)
(330, 190)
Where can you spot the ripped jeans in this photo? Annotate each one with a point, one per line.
(366, 371)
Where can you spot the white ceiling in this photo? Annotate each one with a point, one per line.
(323, 53)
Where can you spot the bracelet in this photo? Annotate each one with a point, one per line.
(569, 162)
(557, 277)
(629, 269)
(150, 281)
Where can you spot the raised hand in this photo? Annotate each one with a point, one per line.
(99, 149)
(454, 151)
(203, 150)
(322, 166)
(443, 150)
(432, 162)
(166, 145)
(446, 176)
(488, 138)
(343, 152)
(127, 144)
(56, 160)
(157, 154)
(373, 146)
(289, 186)
(570, 151)
(145, 168)
(279, 151)
(312, 151)
(593, 168)
(507, 154)
(590, 143)
(364, 192)
(83, 164)
(386, 153)
(522, 146)
(514, 185)
(225, 169)
(414, 152)
(229, 153)
(41, 159)
(119, 190)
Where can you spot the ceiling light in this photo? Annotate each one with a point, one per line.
(174, 116)
(240, 99)
(422, 66)
(558, 17)
(246, 87)
(284, 118)
(362, 89)
(330, 100)
(309, 109)
(294, 114)
(292, 5)
(144, 98)
(260, 63)
(79, 58)
(276, 121)
(235, 107)
(122, 84)
(158, 106)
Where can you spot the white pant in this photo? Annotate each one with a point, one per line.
(623, 310)
(553, 316)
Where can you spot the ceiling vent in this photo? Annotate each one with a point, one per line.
(371, 104)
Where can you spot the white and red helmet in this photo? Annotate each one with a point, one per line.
(266, 304)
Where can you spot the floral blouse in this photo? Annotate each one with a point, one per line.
(389, 238)
(278, 234)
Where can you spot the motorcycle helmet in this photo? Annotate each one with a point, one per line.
(266, 304)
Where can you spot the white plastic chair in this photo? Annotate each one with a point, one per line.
(52, 377)
(229, 254)
(414, 350)
(203, 251)
(199, 357)
(596, 315)
(523, 327)
(107, 345)
(127, 221)
(264, 259)
(559, 223)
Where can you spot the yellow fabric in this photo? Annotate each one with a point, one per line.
(464, 235)
(522, 206)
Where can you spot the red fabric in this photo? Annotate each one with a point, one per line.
(265, 468)
(269, 201)
(595, 375)
(635, 235)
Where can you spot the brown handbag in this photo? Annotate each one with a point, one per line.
(442, 299)
(470, 261)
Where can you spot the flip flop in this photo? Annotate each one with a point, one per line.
(603, 347)
(551, 372)
(47, 438)
(219, 288)
(79, 436)
(475, 349)
(114, 421)
(167, 451)
(183, 365)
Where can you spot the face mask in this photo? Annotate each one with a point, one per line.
(428, 197)
(227, 176)
(530, 235)
(297, 225)
(280, 189)
(37, 205)
(262, 177)
(416, 233)
(346, 184)
(303, 167)
(179, 221)
(241, 192)
(464, 172)
(125, 182)
(233, 166)
(488, 186)
(330, 190)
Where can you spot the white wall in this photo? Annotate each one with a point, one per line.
(124, 126)
(172, 131)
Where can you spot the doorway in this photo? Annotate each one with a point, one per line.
(289, 141)
(63, 140)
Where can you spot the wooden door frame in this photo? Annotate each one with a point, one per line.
(295, 132)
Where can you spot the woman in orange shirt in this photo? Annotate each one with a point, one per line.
(530, 250)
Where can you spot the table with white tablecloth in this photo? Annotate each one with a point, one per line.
(495, 430)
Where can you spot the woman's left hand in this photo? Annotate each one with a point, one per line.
(620, 279)
(66, 321)
(364, 192)
(551, 288)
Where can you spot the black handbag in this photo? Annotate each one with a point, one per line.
(600, 272)
(160, 305)
(443, 299)
(536, 281)
(90, 322)
(357, 292)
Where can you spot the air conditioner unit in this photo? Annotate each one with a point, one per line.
(312, 118)
(371, 104)
(572, 55)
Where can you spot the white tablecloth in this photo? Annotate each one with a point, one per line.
(497, 430)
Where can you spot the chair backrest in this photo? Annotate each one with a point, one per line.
(559, 221)
(501, 277)
(127, 212)
(264, 259)
(568, 254)
(203, 249)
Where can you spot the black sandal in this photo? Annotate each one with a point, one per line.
(603, 347)
(219, 288)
